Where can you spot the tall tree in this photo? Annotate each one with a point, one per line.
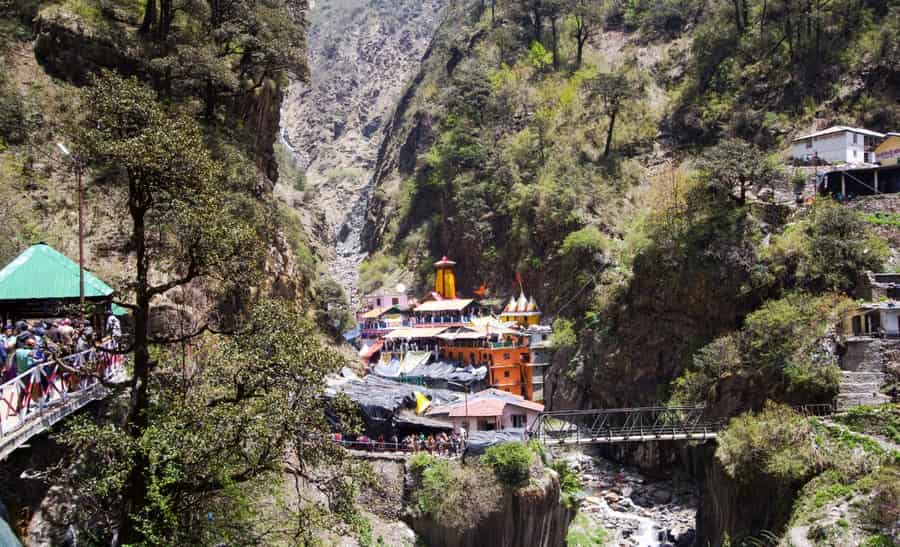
(553, 11)
(183, 227)
(613, 90)
(736, 166)
(587, 16)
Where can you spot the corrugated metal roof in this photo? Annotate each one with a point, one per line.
(43, 273)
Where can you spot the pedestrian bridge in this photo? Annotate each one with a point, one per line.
(642, 424)
(33, 401)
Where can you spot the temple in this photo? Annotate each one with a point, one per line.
(445, 340)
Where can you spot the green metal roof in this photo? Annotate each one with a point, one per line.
(43, 273)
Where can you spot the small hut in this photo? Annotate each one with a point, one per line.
(42, 282)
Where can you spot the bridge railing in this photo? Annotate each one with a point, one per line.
(54, 381)
(612, 425)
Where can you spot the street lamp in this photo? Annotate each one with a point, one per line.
(77, 163)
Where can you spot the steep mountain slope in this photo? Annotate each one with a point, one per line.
(361, 56)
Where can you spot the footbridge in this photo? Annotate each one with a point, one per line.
(50, 391)
(641, 424)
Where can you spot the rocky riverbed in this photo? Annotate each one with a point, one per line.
(635, 510)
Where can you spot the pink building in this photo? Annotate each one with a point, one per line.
(489, 410)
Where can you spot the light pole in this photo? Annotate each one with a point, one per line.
(77, 164)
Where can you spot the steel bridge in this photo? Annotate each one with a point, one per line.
(622, 425)
(33, 401)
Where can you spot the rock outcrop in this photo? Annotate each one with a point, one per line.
(362, 55)
(533, 516)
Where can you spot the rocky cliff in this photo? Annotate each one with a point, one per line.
(362, 55)
(533, 516)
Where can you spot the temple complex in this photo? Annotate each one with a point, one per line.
(448, 341)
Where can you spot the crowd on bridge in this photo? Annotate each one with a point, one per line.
(442, 444)
(23, 344)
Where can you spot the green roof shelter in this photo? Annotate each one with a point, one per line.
(42, 282)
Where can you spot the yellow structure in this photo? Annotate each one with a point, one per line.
(523, 311)
(444, 278)
(888, 152)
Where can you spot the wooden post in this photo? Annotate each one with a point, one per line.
(876, 180)
(843, 185)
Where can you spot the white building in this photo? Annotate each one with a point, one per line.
(837, 144)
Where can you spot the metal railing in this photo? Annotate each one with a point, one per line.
(53, 384)
(623, 425)
(638, 424)
(449, 450)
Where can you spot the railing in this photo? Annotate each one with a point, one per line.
(57, 387)
(376, 446)
(637, 424)
(623, 425)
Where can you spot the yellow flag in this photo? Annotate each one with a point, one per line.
(422, 402)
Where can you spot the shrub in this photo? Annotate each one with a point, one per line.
(777, 442)
(569, 482)
(827, 250)
(511, 463)
(563, 336)
(453, 495)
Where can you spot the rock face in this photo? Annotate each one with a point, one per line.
(532, 516)
(362, 55)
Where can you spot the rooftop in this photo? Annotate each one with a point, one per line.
(489, 402)
(841, 129)
(43, 273)
(452, 304)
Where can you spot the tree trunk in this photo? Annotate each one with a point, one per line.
(149, 17)
(738, 22)
(555, 43)
(135, 488)
(538, 24)
(210, 111)
(609, 132)
(579, 53)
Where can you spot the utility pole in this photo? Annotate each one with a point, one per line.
(78, 173)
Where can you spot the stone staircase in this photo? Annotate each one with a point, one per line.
(862, 387)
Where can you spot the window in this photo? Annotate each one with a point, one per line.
(378, 302)
(506, 356)
(854, 138)
(854, 152)
(523, 357)
(395, 301)
(506, 374)
(809, 143)
(518, 420)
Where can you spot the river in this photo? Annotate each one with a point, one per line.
(635, 510)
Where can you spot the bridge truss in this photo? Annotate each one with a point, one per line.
(602, 426)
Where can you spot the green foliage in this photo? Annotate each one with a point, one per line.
(221, 438)
(777, 442)
(827, 250)
(583, 532)
(882, 420)
(735, 167)
(569, 481)
(564, 335)
(511, 463)
(779, 344)
(539, 57)
(454, 495)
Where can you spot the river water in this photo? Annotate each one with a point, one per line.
(635, 510)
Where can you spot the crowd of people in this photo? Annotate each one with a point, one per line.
(442, 444)
(23, 344)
